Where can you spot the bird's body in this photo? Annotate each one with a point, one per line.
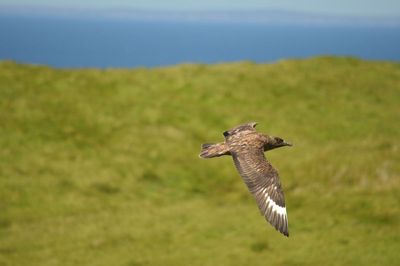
(247, 146)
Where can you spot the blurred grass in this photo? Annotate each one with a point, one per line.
(100, 167)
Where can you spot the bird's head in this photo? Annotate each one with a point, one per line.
(274, 142)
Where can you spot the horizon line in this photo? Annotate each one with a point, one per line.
(259, 16)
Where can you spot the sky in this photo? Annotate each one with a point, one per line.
(360, 8)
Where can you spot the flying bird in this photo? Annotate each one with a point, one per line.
(247, 147)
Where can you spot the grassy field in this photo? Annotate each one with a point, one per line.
(101, 167)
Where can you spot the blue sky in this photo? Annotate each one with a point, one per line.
(367, 8)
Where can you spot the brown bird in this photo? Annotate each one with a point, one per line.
(246, 146)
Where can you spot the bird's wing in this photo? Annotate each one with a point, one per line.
(263, 182)
(245, 127)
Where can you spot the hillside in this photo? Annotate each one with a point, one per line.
(101, 167)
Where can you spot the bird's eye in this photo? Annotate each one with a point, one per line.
(279, 140)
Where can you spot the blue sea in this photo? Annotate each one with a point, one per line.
(73, 42)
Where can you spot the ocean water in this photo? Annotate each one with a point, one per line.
(63, 42)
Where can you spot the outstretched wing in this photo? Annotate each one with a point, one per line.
(245, 127)
(263, 182)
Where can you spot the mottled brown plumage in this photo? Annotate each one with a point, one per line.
(247, 146)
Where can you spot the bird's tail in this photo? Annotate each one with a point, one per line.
(210, 150)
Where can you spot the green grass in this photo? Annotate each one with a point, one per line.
(101, 167)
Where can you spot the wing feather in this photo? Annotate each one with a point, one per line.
(263, 182)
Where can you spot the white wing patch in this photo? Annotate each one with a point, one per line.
(280, 213)
(272, 204)
(275, 207)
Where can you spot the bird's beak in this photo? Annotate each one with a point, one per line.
(286, 144)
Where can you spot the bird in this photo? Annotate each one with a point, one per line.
(247, 147)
